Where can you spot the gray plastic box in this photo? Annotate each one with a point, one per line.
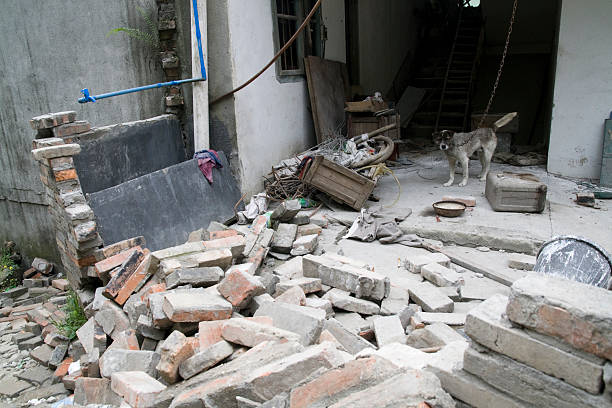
(515, 192)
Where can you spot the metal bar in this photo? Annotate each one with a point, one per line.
(89, 98)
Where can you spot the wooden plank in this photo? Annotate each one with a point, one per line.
(328, 89)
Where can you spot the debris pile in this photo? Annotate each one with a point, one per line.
(548, 344)
(206, 323)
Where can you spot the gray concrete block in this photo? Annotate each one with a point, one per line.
(180, 193)
(451, 319)
(352, 342)
(526, 383)
(473, 391)
(205, 359)
(430, 298)
(340, 272)
(283, 238)
(308, 285)
(487, 325)
(440, 275)
(577, 313)
(292, 269)
(250, 333)
(196, 277)
(521, 262)
(116, 359)
(388, 329)
(343, 300)
(305, 321)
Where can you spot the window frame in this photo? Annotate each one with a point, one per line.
(299, 43)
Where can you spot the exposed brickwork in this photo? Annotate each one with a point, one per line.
(75, 228)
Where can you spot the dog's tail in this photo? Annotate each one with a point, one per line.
(504, 121)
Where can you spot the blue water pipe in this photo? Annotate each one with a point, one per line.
(92, 98)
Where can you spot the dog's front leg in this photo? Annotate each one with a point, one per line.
(464, 166)
(452, 162)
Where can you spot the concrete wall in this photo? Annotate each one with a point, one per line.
(111, 155)
(50, 50)
(387, 31)
(583, 89)
(272, 120)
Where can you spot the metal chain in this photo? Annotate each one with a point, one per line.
(501, 65)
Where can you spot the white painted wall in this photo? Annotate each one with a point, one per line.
(333, 18)
(272, 119)
(583, 88)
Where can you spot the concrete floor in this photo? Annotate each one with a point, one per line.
(421, 186)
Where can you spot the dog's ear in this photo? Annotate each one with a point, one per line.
(448, 134)
(437, 137)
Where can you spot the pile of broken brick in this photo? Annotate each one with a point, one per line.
(204, 324)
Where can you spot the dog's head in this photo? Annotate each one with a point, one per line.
(444, 139)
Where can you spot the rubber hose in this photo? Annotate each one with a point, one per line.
(379, 157)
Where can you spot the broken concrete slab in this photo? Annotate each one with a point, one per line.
(305, 245)
(95, 391)
(114, 360)
(343, 300)
(286, 210)
(195, 305)
(250, 333)
(401, 355)
(318, 303)
(179, 192)
(283, 238)
(440, 275)
(12, 387)
(487, 325)
(413, 388)
(337, 383)
(477, 287)
(305, 321)
(451, 319)
(525, 383)
(294, 295)
(441, 334)
(292, 269)
(388, 329)
(205, 359)
(583, 319)
(138, 389)
(341, 273)
(352, 342)
(430, 298)
(308, 285)
(196, 277)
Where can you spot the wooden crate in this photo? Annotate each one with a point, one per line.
(359, 124)
(342, 184)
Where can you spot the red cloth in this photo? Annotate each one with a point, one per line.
(206, 165)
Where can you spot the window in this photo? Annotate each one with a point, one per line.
(288, 16)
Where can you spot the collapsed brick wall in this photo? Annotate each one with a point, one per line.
(76, 232)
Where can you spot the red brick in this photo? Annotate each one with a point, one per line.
(62, 369)
(123, 275)
(259, 224)
(104, 267)
(222, 234)
(61, 284)
(157, 288)
(118, 247)
(352, 374)
(239, 288)
(63, 175)
(210, 333)
(141, 273)
(29, 274)
(175, 349)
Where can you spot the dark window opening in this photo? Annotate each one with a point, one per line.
(288, 19)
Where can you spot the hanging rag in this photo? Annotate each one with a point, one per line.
(207, 160)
